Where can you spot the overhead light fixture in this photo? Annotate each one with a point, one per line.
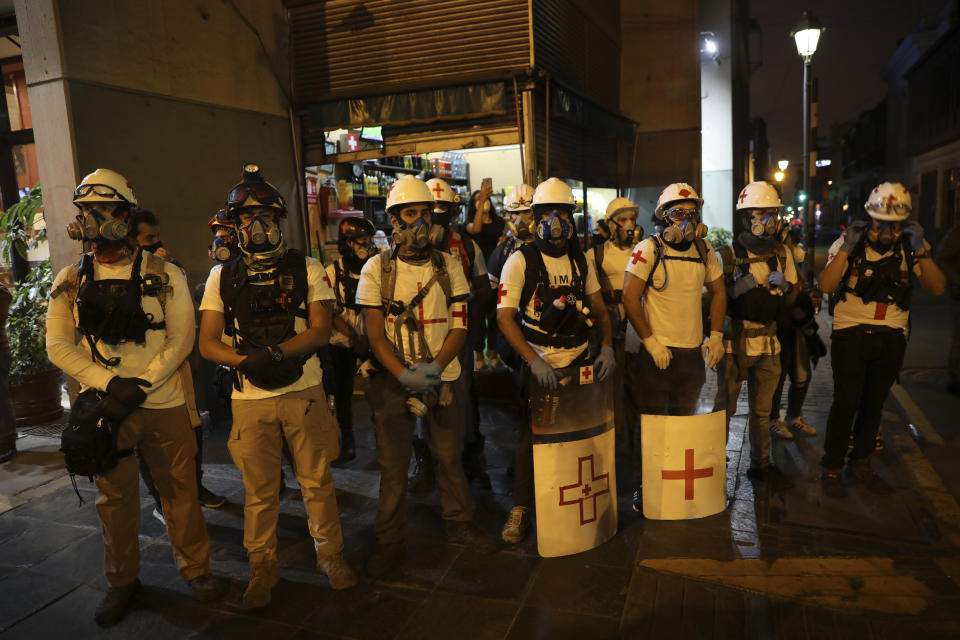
(709, 46)
(778, 176)
(807, 35)
(783, 164)
(823, 163)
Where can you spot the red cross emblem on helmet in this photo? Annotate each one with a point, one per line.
(743, 195)
(684, 192)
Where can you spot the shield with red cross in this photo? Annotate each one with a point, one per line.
(573, 462)
(684, 466)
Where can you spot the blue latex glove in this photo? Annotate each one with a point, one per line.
(914, 231)
(605, 363)
(743, 284)
(778, 280)
(852, 235)
(544, 374)
(421, 377)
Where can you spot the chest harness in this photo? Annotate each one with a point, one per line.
(552, 326)
(661, 257)
(344, 287)
(261, 309)
(405, 313)
(882, 281)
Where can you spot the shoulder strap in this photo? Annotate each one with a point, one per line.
(598, 252)
(728, 257)
(443, 276)
(469, 247)
(657, 255)
(701, 249)
(578, 263)
(71, 282)
(388, 278)
(534, 272)
(155, 267)
(740, 252)
(337, 279)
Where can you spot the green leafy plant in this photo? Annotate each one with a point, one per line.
(719, 237)
(17, 222)
(26, 324)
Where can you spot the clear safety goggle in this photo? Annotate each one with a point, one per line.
(102, 190)
(899, 209)
(259, 192)
(680, 213)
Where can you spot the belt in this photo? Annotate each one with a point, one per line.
(558, 342)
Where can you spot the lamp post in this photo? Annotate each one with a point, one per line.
(807, 36)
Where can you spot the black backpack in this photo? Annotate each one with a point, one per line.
(89, 443)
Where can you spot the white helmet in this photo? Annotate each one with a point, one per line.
(442, 192)
(676, 192)
(104, 185)
(759, 195)
(409, 190)
(889, 201)
(553, 191)
(620, 204)
(519, 199)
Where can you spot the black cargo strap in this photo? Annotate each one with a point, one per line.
(407, 318)
(541, 339)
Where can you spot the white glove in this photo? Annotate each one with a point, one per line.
(712, 348)
(661, 354)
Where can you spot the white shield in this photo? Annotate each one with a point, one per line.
(573, 462)
(684, 466)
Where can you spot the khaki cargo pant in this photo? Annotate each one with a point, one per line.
(762, 374)
(305, 420)
(168, 445)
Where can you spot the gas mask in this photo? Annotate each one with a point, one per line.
(765, 226)
(553, 235)
(152, 248)
(261, 243)
(223, 250)
(881, 237)
(96, 227)
(684, 231)
(522, 228)
(357, 256)
(413, 238)
(625, 235)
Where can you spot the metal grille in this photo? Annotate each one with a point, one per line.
(348, 48)
(52, 430)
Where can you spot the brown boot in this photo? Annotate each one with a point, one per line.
(263, 578)
(335, 567)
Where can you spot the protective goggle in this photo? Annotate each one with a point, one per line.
(102, 190)
(899, 209)
(680, 213)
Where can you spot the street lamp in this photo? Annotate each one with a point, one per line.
(783, 164)
(807, 36)
(778, 176)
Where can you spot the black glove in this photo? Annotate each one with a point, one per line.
(256, 359)
(112, 409)
(127, 391)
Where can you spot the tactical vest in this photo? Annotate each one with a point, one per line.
(262, 309)
(882, 281)
(570, 329)
(110, 310)
(760, 304)
(344, 286)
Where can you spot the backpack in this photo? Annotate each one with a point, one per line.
(857, 257)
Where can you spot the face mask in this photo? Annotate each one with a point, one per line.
(555, 230)
(412, 237)
(96, 226)
(684, 232)
(260, 236)
(364, 251)
(884, 235)
(626, 235)
(764, 226)
(223, 251)
(522, 227)
(153, 247)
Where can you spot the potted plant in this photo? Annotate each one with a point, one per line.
(34, 382)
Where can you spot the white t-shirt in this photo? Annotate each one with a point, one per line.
(156, 360)
(674, 311)
(615, 260)
(764, 345)
(353, 317)
(560, 274)
(853, 311)
(435, 316)
(318, 289)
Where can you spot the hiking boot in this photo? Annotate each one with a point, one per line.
(779, 428)
(158, 514)
(800, 425)
(832, 484)
(209, 499)
(206, 588)
(263, 578)
(335, 567)
(422, 479)
(386, 558)
(467, 533)
(638, 501)
(348, 446)
(515, 529)
(115, 604)
(862, 472)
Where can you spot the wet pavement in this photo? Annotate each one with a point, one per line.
(777, 563)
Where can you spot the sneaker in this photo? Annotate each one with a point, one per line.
(515, 529)
(115, 604)
(494, 359)
(832, 484)
(779, 428)
(386, 559)
(263, 578)
(467, 533)
(850, 442)
(158, 514)
(801, 426)
(862, 472)
(206, 588)
(638, 501)
(209, 499)
(880, 446)
(479, 362)
(335, 567)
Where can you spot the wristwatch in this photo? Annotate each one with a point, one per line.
(276, 354)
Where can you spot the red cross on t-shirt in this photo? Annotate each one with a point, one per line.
(637, 256)
(501, 292)
(422, 319)
(461, 312)
(688, 474)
